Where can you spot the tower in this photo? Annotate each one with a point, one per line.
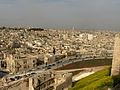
(116, 56)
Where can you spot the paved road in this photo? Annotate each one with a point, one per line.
(54, 65)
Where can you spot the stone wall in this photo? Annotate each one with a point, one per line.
(63, 82)
(116, 57)
(22, 84)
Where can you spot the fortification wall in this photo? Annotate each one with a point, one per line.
(116, 57)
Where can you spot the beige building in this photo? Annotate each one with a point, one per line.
(16, 63)
(49, 58)
(63, 81)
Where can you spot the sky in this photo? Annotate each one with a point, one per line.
(61, 13)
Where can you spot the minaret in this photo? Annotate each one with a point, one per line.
(116, 57)
(54, 52)
(31, 84)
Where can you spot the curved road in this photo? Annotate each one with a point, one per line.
(55, 65)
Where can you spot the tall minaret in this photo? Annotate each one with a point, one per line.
(116, 57)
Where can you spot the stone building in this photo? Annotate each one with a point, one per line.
(2, 62)
(63, 81)
(20, 63)
(49, 58)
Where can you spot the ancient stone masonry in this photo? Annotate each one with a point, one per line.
(47, 80)
(116, 57)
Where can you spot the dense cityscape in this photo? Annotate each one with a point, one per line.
(31, 58)
(59, 44)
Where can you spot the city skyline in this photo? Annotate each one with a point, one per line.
(61, 13)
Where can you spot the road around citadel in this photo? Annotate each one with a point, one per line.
(55, 65)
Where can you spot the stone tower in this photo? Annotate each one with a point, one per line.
(116, 56)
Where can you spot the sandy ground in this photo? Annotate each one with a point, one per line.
(78, 77)
(87, 73)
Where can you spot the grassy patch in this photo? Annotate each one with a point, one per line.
(97, 81)
(101, 84)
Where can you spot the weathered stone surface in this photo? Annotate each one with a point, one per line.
(116, 57)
